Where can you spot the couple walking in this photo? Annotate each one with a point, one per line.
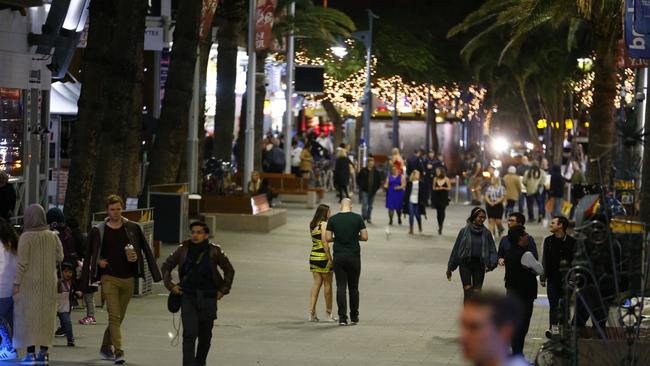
(345, 230)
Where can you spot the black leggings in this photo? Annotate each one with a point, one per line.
(341, 190)
(440, 211)
(472, 274)
(32, 349)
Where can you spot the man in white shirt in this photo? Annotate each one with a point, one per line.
(324, 141)
(487, 323)
(295, 158)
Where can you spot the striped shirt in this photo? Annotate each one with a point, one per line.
(495, 194)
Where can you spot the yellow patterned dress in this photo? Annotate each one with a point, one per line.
(318, 257)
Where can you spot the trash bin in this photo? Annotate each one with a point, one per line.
(171, 202)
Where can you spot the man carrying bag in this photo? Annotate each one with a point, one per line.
(200, 287)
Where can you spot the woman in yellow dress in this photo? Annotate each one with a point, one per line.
(320, 263)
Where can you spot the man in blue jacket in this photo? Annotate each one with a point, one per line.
(515, 219)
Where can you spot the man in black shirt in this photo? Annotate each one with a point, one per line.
(346, 229)
(201, 285)
(558, 248)
(369, 180)
(521, 281)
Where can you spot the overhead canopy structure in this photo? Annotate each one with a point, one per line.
(64, 97)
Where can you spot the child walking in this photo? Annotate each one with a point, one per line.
(65, 294)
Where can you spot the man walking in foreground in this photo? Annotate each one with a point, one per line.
(346, 229)
(201, 285)
(116, 255)
(487, 323)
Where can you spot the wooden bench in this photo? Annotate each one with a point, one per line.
(290, 188)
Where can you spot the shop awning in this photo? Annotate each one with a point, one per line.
(64, 97)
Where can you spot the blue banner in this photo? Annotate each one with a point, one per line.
(635, 41)
(642, 16)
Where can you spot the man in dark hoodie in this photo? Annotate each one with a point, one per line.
(521, 281)
(557, 190)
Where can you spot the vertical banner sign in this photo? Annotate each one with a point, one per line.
(642, 16)
(264, 24)
(207, 14)
(635, 42)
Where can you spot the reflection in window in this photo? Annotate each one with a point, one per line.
(11, 131)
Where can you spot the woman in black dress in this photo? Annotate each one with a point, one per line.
(440, 199)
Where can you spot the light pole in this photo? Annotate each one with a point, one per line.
(366, 37)
(249, 146)
(288, 116)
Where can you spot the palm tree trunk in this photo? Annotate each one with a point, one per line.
(334, 115)
(530, 121)
(230, 22)
(602, 131)
(171, 137)
(110, 96)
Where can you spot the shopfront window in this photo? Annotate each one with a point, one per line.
(11, 131)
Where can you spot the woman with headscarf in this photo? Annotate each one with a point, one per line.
(474, 253)
(35, 286)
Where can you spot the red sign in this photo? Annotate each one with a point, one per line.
(623, 59)
(264, 24)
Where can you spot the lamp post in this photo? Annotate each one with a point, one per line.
(288, 117)
(249, 153)
(340, 51)
(366, 37)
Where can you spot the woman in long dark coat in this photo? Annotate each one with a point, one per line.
(342, 174)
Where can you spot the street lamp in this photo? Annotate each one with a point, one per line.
(340, 51)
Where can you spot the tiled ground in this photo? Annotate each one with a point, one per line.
(408, 308)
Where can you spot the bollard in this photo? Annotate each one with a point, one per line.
(457, 188)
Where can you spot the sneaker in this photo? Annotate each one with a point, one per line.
(107, 354)
(59, 332)
(71, 343)
(312, 317)
(8, 354)
(354, 321)
(119, 358)
(331, 318)
(29, 359)
(343, 323)
(89, 320)
(43, 358)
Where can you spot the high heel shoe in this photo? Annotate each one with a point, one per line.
(312, 317)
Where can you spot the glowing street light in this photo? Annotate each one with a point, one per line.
(500, 144)
(339, 50)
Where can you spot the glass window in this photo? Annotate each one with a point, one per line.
(11, 131)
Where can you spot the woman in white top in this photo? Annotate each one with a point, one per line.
(495, 196)
(415, 199)
(8, 250)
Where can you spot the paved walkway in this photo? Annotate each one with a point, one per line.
(408, 309)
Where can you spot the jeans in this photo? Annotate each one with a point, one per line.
(531, 201)
(66, 324)
(198, 313)
(414, 212)
(557, 206)
(541, 203)
(366, 204)
(6, 321)
(89, 300)
(347, 269)
(554, 292)
(472, 274)
(522, 200)
(117, 293)
(510, 207)
(519, 336)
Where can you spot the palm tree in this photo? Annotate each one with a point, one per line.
(602, 19)
(110, 107)
(230, 18)
(171, 137)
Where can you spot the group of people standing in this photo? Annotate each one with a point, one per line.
(529, 185)
(45, 270)
(475, 253)
(409, 187)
